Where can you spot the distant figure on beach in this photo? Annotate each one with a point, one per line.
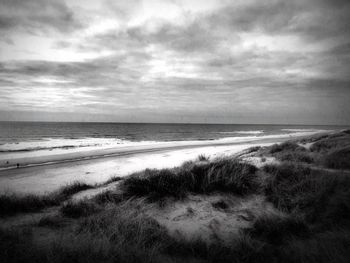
(17, 165)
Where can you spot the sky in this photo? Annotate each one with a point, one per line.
(187, 61)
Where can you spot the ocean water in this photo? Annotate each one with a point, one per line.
(37, 136)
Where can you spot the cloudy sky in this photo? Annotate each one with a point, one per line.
(215, 61)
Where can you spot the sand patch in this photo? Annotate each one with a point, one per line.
(211, 218)
(90, 193)
(306, 145)
(260, 161)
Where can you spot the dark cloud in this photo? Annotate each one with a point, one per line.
(268, 16)
(37, 16)
(313, 19)
(196, 37)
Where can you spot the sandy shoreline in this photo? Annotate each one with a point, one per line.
(48, 173)
(29, 158)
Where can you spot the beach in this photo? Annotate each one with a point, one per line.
(218, 195)
(46, 170)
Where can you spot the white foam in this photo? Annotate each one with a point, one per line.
(304, 130)
(244, 132)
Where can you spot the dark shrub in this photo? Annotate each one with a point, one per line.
(322, 197)
(79, 209)
(69, 190)
(336, 211)
(13, 204)
(220, 205)
(133, 236)
(287, 185)
(327, 247)
(253, 149)
(332, 142)
(297, 156)
(108, 197)
(52, 221)
(287, 172)
(338, 159)
(286, 146)
(113, 179)
(15, 246)
(290, 151)
(346, 132)
(278, 230)
(203, 157)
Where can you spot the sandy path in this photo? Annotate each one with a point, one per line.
(213, 218)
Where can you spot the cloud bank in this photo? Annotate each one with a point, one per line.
(246, 61)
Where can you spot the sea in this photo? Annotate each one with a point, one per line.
(38, 136)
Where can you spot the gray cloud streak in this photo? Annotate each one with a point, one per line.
(224, 64)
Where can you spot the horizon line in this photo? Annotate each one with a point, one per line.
(179, 123)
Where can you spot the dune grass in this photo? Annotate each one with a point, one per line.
(315, 228)
(290, 152)
(276, 230)
(286, 146)
(330, 151)
(331, 142)
(71, 189)
(202, 157)
(112, 180)
(52, 221)
(338, 158)
(220, 176)
(113, 235)
(13, 204)
(322, 197)
(79, 209)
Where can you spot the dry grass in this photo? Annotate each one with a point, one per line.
(79, 209)
(223, 175)
(13, 204)
(338, 158)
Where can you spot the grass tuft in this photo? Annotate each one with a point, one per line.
(52, 221)
(108, 197)
(66, 191)
(79, 209)
(331, 142)
(286, 146)
(224, 175)
(322, 197)
(338, 159)
(13, 204)
(203, 158)
(276, 230)
(112, 180)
